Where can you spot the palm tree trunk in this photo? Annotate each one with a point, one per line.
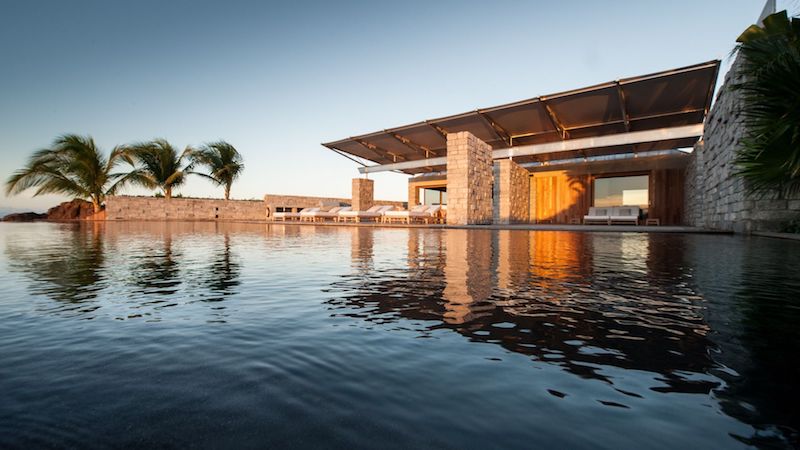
(168, 192)
(227, 192)
(96, 205)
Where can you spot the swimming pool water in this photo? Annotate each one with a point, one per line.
(242, 335)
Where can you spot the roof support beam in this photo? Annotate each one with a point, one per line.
(611, 140)
(375, 149)
(554, 120)
(623, 107)
(710, 95)
(420, 149)
(497, 129)
(347, 156)
(438, 129)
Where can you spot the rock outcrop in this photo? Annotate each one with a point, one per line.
(75, 210)
(24, 217)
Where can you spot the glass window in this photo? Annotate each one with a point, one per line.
(619, 191)
(434, 197)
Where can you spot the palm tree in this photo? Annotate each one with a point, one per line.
(769, 159)
(223, 161)
(159, 165)
(73, 166)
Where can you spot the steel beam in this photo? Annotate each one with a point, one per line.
(554, 119)
(623, 107)
(501, 133)
(611, 140)
(419, 149)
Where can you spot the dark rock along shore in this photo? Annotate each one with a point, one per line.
(73, 210)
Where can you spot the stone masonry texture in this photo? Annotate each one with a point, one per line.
(511, 193)
(154, 208)
(469, 180)
(363, 194)
(714, 196)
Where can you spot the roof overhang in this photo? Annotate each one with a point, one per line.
(672, 104)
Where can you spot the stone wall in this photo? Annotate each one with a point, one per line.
(363, 194)
(511, 193)
(714, 196)
(154, 208)
(469, 180)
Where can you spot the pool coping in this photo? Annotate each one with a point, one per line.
(501, 227)
(521, 227)
(790, 236)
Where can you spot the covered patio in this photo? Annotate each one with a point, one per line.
(549, 159)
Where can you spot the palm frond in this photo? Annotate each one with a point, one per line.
(769, 157)
(223, 162)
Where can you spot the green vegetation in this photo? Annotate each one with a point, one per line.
(769, 160)
(72, 166)
(223, 162)
(75, 166)
(158, 165)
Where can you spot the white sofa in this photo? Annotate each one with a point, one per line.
(624, 215)
(597, 215)
(612, 215)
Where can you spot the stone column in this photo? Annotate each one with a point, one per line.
(469, 180)
(511, 192)
(363, 194)
(413, 194)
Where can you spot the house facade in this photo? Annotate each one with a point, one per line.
(549, 159)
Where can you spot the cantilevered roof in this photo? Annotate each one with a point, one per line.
(660, 100)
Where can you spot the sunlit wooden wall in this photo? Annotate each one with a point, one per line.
(563, 196)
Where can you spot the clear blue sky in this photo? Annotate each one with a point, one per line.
(276, 80)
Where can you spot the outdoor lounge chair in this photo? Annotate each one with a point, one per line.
(332, 213)
(283, 216)
(597, 215)
(417, 212)
(374, 213)
(312, 214)
(624, 214)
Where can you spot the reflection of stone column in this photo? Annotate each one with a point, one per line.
(469, 180)
(413, 249)
(363, 194)
(512, 257)
(511, 192)
(361, 245)
(468, 275)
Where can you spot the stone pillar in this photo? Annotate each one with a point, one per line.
(413, 194)
(363, 194)
(511, 192)
(469, 180)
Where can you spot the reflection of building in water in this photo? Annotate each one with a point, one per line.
(512, 258)
(556, 260)
(468, 275)
(361, 247)
(498, 288)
